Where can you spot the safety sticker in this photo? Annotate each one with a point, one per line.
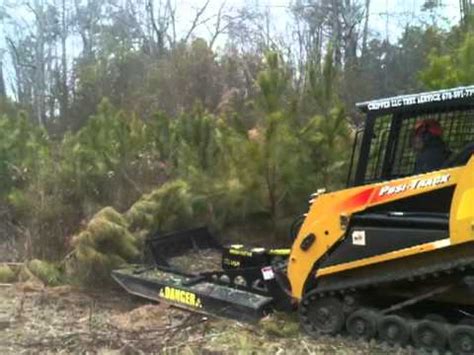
(180, 296)
(267, 273)
(358, 238)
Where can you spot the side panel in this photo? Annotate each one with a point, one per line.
(462, 208)
(365, 242)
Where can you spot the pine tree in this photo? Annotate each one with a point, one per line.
(453, 69)
(327, 133)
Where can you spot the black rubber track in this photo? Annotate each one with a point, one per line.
(455, 261)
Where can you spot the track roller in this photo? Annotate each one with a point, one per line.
(323, 316)
(429, 335)
(362, 324)
(394, 330)
(461, 340)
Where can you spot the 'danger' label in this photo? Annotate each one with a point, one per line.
(180, 296)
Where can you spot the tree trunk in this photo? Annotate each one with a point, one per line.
(39, 82)
(3, 93)
(337, 32)
(366, 28)
(64, 89)
(466, 11)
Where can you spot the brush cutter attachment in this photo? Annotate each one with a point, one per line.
(191, 269)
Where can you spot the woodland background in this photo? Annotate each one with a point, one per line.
(234, 130)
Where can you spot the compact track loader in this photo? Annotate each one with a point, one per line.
(390, 257)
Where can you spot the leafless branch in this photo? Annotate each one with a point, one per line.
(196, 22)
(161, 29)
(17, 55)
(218, 28)
(172, 15)
(28, 5)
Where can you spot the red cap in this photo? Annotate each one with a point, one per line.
(429, 125)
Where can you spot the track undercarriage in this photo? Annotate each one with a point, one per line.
(397, 306)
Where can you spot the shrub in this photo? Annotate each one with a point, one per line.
(6, 274)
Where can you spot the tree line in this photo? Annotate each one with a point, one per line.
(108, 101)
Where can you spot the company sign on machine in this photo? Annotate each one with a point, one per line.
(414, 185)
(421, 99)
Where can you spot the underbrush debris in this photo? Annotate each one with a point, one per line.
(105, 244)
(281, 325)
(44, 271)
(146, 317)
(164, 208)
(111, 239)
(69, 320)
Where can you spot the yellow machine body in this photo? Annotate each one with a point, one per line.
(329, 214)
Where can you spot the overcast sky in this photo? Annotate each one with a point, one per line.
(387, 18)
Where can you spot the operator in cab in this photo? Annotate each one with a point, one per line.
(430, 150)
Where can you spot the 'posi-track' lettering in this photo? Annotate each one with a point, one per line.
(414, 185)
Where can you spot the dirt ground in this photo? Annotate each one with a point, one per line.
(64, 320)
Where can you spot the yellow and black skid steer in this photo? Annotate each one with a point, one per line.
(390, 257)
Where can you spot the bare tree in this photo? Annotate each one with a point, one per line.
(86, 23)
(3, 93)
(466, 7)
(366, 27)
(219, 26)
(159, 25)
(39, 84)
(18, 87)
(172, 15)
(197, 21)
(64, 100)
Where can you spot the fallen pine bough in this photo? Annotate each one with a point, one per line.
(112, 239)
